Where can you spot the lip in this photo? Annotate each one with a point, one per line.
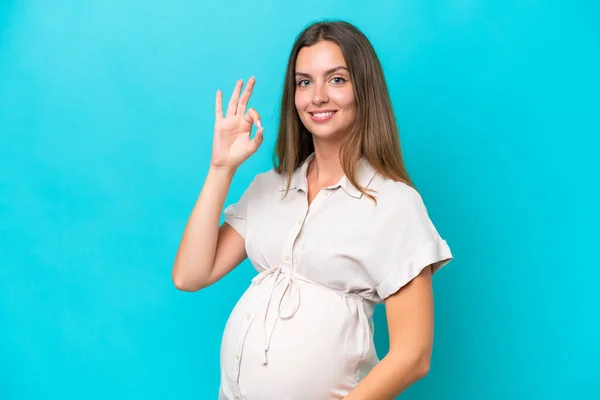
(323, 119)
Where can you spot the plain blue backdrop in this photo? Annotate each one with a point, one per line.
(106, 117)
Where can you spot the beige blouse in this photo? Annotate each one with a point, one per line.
(303, 329)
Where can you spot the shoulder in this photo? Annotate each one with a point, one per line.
(268, 179)
(265, 182)
(395, 194)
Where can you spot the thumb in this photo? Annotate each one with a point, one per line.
(257, 141)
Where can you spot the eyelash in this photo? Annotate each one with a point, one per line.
(299, 83)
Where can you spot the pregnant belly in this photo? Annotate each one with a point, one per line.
(317, 353)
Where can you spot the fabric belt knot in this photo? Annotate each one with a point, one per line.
(280, 275)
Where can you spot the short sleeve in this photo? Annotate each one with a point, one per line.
(236, 214)
(408, 243)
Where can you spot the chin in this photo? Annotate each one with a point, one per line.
(330, 136)
(328, 132)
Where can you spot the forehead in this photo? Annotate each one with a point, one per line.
(320, 57)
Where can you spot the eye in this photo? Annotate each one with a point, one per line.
(303, 82)
(338, 80)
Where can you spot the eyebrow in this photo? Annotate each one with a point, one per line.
(329, 71)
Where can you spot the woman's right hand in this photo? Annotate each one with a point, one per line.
(231, 142)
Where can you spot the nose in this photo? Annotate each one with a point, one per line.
(320, 95)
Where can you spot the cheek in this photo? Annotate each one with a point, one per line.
(301, 101)
(344, 99)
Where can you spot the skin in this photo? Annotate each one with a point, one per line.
(323, 83)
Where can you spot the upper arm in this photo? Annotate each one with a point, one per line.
(231, 246)
(408, 242)
(409, 314)
(230, 252)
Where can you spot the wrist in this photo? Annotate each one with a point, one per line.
(222, 170)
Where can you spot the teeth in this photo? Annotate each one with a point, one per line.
(323, 115)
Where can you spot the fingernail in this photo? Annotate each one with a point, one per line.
(259, 124)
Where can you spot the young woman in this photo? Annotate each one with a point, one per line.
(333, 229)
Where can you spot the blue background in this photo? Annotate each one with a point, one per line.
(106, 117)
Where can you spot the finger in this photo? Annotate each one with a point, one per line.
(233, 101)
(243, 103)
(252, 117)
(219, 105)
(257, 141)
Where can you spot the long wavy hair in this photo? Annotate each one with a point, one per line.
(374, 134)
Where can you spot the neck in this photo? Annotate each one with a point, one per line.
(326, 169)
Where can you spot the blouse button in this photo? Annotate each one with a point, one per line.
(248, 316)
(287, 258)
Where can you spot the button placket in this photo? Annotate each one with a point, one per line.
(299, 224)
(287, 248)
(289, 256)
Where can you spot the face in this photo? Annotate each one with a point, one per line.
(324, 97)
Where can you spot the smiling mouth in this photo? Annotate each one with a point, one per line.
(322, 116)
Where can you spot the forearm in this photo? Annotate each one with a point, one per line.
(390, 377)
(196, 253)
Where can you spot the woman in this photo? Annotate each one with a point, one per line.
(335, 228)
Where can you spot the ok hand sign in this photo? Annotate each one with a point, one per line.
(231, 142)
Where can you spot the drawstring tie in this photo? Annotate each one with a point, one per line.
(279, 276)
